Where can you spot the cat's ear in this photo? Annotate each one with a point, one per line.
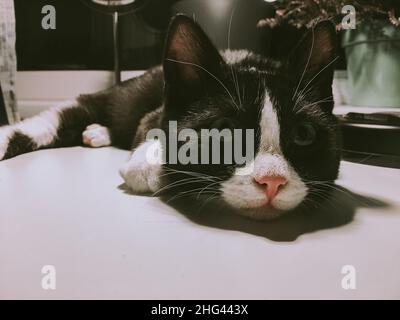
(314, 57)
(190, 58)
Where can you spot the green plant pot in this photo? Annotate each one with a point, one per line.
(373, 64)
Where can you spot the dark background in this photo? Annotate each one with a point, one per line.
(83, 37)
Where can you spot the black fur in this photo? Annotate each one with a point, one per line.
(19, 144)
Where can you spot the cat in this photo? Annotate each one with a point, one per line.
(287, 103)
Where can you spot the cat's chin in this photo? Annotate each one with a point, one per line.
(262, 210)
(265, 212)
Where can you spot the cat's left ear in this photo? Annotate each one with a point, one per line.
(314, 58)
(191, 61)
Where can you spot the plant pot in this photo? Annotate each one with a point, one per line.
(373, 64)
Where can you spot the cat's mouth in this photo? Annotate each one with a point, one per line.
(258, 206)
(259, 209)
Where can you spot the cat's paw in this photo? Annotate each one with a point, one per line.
(96, 136)
(140, 174)
(141, 179)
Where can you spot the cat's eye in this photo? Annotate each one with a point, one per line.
(304, 134)
(223, 123)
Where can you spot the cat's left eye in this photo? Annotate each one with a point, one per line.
(304, 134)
(223, 123)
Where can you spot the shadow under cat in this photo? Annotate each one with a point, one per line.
(337, 209)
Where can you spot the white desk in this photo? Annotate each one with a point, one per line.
(64, 208)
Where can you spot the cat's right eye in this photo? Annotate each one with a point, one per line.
(304, 134)
(223, 123)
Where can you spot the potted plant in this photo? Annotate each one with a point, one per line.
(372, 43)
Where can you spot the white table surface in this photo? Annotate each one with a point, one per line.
(65, 208)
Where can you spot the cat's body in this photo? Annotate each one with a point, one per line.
(288, 105)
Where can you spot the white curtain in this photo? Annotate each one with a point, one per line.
(8, 60)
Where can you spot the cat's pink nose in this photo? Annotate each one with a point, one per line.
(272, 185)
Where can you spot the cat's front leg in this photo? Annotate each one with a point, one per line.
(142, 172)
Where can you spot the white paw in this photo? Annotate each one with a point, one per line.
(140, 174)
(96, 136)
(141, 179)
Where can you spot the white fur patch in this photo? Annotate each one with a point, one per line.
(42, 128)
(242, 191)
(270, 129)
(235, 56)
(96, 136)
(141, 173)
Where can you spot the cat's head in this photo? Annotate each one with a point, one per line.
(287, 104)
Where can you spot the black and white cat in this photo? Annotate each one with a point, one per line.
(288, 104)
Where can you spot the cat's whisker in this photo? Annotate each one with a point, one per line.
(319, 72)
(303, 96)
(230, 24)
(191, 176)
(236, 85)
(208, 187)
(260, 92)
(309, 205)
(210, 198)
(195, 178)
(328, 99)
(179, 183)
(317, 204)
(235, 80)
(323, 195)
(338, 189)
(192, 173)
(187, 194)
(204, 177)
(211, 74)
(306, 66)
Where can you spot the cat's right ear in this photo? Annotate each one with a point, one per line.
(191, 61)
(312, 61)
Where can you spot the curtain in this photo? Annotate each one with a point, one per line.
(8, 60)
